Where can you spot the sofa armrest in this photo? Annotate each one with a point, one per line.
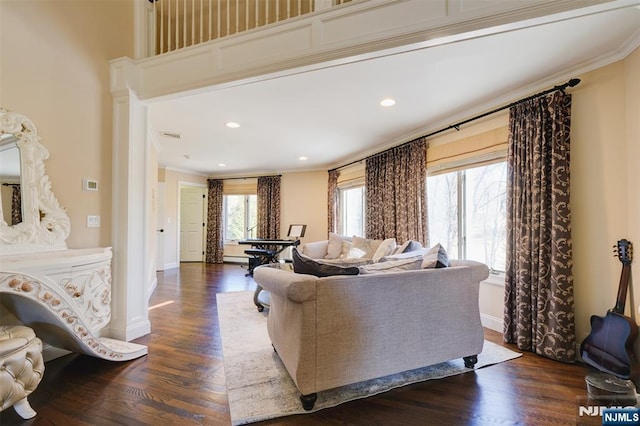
(315, 249)
(295, 287)
(479, 271)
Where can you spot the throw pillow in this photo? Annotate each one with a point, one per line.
(436, 257)
(412, 246)
(305, 265)
(355, 253)
(334, 247)
(384, 249)
(346, 246)
(367, 245)
(407, 246)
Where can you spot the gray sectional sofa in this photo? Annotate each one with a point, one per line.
(338, 330)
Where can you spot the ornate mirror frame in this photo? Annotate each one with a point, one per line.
(45, 225)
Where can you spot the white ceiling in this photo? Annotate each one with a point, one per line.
(332, 115)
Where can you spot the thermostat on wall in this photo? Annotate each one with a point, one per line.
(89, 185)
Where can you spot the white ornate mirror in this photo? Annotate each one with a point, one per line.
(36, 222)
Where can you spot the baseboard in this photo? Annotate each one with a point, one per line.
(152, 287)
(236, 259)
(492, 323)
(138, 330)
(171, 265)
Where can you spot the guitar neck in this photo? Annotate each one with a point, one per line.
(621, 300)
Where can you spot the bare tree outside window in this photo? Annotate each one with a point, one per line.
(352, 218)
(467, 213)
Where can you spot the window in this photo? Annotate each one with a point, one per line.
(240, 217)
(351, 211)
(467, 213)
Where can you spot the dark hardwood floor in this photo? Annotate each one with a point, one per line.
(181, 380)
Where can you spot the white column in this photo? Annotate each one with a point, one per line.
(129, 304)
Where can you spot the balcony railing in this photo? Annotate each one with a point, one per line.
(182, 23)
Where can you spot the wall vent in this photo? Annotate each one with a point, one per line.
(171, 135)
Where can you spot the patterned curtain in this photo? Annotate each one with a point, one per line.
(16, 205)
(269, 207)
(539, 307)
(332, 205)
(396, 193)
(215, 246)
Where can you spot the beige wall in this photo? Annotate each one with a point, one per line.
(54, 70)
(632, 112)
(304, 201)
(604, 176)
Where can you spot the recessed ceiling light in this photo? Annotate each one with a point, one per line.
(222, 165)
(232, 125)
(387, 102)
(302, 158)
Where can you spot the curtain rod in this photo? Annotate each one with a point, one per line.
(244, 177)
(571, 83)
(10, 184)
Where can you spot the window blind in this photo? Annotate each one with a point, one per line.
(240, 186)
(480, 149)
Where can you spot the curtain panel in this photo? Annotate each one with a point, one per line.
(269, 207)
(16, 205)
(215, 243)
(539, 301)
(395, 189)
(332, 204)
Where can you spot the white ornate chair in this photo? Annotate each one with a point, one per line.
(21, 368)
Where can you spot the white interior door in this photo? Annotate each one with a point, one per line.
(160, 226)
(192, 207)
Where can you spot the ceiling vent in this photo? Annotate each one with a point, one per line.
(171, 135)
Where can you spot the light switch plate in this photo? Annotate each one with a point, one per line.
(89, 184)
(93, 221)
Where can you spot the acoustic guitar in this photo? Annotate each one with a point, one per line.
(609, 346)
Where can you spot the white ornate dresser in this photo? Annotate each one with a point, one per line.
(64, 295)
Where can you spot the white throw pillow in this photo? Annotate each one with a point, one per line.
(355, 253)
(368, 246)
(384, 249)
(334, 248)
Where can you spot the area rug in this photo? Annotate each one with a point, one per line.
(259, 387)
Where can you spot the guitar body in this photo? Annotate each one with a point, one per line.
(609, 346)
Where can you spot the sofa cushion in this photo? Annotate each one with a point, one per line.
(385, 248)
(334, 248)
(354, 261)
(436, 257)
(408, 246)
(305, 265)
(350, 252)
(314, 249)
(369, 246)
(408, 264)
(407, 255)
